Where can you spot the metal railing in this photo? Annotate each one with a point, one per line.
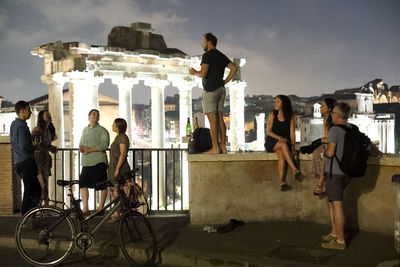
(161, 172)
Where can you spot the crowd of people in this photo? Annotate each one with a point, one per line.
(326, 159)
(32, 160)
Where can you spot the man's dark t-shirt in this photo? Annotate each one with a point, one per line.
(217, 63)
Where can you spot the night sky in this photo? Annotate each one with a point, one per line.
(303, 47)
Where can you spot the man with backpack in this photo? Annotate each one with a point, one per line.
(347, 154)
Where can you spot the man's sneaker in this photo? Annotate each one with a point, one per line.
(334, 245)
(329, 237)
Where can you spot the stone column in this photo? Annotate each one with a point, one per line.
(185, 111)
(260, 120)
(236, 92)
(185, 104)
(84, 93)
(55, 84)
(157, 137)
(157, 111)
(125, 101)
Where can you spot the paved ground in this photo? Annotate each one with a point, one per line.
(76, 260)
(254, 244)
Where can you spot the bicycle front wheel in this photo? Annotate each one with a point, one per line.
(45, 237)
(137, 239)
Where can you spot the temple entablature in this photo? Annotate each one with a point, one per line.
(132, 54)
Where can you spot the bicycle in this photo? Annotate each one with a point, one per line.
(46, 235)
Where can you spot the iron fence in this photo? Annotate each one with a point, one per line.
(161, 172)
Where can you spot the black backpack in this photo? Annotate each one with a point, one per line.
(202, 140)
(355, 152)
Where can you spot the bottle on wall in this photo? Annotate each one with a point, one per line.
(188, 128)
(196, 125)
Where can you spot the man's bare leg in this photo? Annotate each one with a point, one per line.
(103, 196)
(338, 216)
(332, 219)
(222, 132)
(85, 199)
(214, 128)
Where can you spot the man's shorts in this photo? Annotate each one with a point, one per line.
(335, 186)
(213, 101)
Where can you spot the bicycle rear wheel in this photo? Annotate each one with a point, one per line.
(137, 239)
(44, 237)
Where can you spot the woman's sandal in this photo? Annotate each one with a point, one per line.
(319, 189)
(285, 187)
(114, 219)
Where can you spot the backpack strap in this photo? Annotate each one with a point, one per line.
(344, 127)
(331, 167)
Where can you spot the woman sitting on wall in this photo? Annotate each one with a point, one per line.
(318, 161)
(281, 137)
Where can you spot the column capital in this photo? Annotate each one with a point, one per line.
(236, 85)
(183, 84)
(177, 78)
(152, 82)
(124, 81)
(58, 78)
(89, 77)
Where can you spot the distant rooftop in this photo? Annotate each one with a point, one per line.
(347, 91)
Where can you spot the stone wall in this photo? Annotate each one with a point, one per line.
(10, 183)
(246, 187)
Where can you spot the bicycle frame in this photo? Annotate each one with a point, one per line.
(81, 220)
(115, 201)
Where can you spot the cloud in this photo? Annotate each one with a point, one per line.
(279, 60)
(87, 21)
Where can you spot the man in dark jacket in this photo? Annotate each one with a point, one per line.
(24, 156)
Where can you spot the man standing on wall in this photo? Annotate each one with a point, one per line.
(213, 64)
(24, 156)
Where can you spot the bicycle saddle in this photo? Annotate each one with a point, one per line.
(67, 183)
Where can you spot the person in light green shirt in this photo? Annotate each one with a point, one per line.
(93, 144)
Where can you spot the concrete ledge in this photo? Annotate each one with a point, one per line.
(246, 186)
(387, 160)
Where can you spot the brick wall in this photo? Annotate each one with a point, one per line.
(10, 183)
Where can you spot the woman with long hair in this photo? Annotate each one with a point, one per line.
(119, 166)
(318, 161)
(42, 136)
(281, 137)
